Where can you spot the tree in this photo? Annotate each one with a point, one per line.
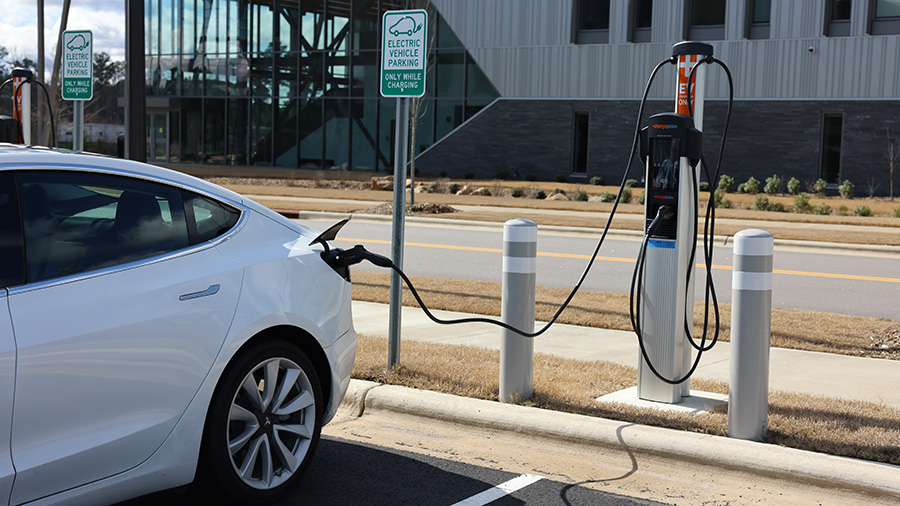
(891, 153)
(108, 82)
(418, 106)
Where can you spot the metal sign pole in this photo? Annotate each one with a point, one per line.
(403, 50)
(78, 125)
(396, 300)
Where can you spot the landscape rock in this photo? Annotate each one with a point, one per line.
(484, 192)
(385, 183)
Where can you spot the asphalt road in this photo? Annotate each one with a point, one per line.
(854, 284)
(352, 473)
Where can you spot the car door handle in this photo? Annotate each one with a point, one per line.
(212, 290)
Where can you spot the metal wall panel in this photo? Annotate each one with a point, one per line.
(526, 49)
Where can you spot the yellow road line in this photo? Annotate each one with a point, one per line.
(625, 260)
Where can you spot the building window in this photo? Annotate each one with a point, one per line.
(886, 19)
(837, 23)
(759, 13)
(580, 143)
(831, 148)
(706, 19)
(642, 20)
(592, 22)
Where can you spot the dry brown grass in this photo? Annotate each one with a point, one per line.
(849, 428)
(791, 328)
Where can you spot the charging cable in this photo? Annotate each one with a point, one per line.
(708, 231)
(17, 89)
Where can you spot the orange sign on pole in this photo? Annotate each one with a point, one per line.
(686, 96)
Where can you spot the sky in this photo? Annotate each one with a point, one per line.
(105, 19)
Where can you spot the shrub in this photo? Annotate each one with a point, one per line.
(501, 174)
(862, 210)
(530, 177)
(760, 203)
(631, 183)
(751, 186)
(626, 196)
(516, 192)
(721, 201)
(640, 199)
(557, 191)
(819, 187)
(560, 178)
(773, 185)
(843, 211)
(434, 187)
(822, 209)
(454, 187)
(895, 213)
(597, 180)
(846, 189)
(607, 197)
(801, 203)
(539, 194)
(580, 195)
(742, 188)
(725, 183)
(704, 186)
(793, 186)
(468, 175)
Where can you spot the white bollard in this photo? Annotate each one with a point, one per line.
(517, 309)
(751, 322)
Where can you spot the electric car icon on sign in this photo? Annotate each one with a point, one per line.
(406, 26)
(77, 43)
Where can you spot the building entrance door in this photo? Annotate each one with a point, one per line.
(158, 136)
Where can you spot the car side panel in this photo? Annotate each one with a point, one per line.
(108, 364)
(7, 385)
(287, 280)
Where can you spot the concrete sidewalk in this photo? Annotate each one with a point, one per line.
(831, 375)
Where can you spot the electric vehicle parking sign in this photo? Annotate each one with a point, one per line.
(78, 65)
(403, 53)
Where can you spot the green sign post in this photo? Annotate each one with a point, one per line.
(403, 53)
(78, 65)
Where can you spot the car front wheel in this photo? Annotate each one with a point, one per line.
(263, 425)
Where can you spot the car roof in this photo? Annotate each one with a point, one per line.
(20, 157)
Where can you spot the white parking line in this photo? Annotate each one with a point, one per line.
(501, 490)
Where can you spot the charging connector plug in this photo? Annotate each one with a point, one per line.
(664, 213)
(355, 255)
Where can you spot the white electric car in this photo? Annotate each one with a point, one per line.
(156, 329)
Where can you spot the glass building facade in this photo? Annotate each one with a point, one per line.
(291, 83)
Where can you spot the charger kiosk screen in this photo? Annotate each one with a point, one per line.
(665, 153)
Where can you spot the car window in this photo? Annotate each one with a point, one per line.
(76, 221)
(207, 218)
(12, 255)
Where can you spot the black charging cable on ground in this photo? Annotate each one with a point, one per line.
(356, 254)
(708, 231)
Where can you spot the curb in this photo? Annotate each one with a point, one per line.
(802, 466)
(786, 244)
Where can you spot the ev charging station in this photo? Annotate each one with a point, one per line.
(671, 150)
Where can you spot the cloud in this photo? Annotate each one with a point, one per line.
(105, 19)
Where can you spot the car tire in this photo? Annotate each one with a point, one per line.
(261, 433)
